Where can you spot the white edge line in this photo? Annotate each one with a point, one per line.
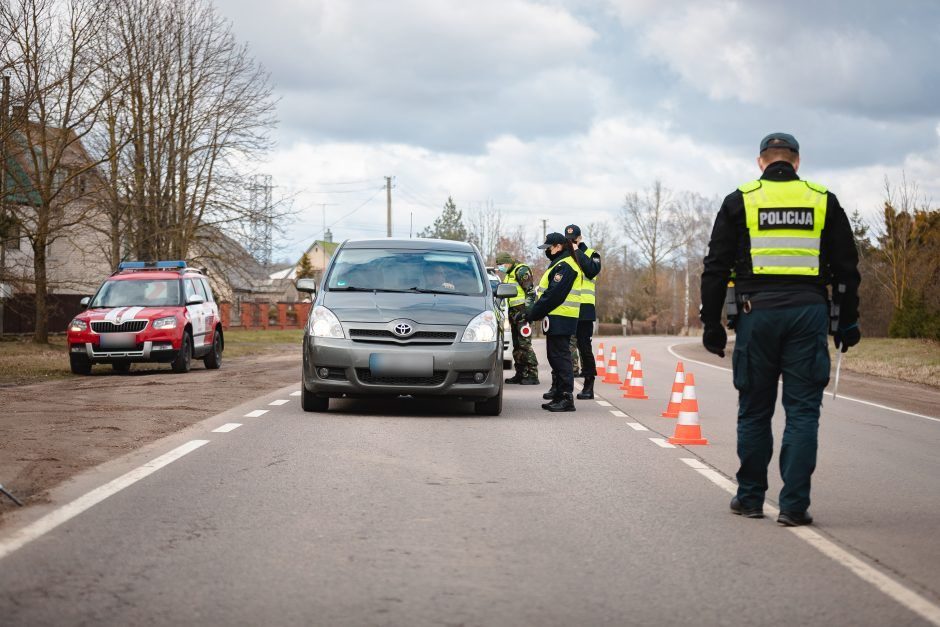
(662, 442)
(68, 511)
(637, 426)
(897, 591)
(848, 398)
(618, 413)
(257, 413)
(228, 426)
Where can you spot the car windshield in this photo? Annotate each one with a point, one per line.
(439, 272)
(138, 293)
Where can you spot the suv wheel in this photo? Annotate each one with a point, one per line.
(122, 367)
(213, 360)
(311, 402)
(80, 364)
(184, 359)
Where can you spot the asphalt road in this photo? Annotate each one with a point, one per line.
(411, 513)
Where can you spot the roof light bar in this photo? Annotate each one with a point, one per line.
(141, 265)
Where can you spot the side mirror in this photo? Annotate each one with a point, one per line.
(505, 290)
(84, 302)
(195, 300)
(307, 285)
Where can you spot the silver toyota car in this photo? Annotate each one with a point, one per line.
(395, 317)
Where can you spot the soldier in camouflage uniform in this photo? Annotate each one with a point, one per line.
(575, 361)
(527, 366)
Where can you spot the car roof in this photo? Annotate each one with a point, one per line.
(411, 244)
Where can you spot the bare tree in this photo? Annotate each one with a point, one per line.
(695, 214)
(651, 223)
(484, 226)
(50, 48)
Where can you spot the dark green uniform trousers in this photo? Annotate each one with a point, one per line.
(792, 342)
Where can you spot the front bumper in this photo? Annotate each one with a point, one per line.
(455, 368)
(160, 352)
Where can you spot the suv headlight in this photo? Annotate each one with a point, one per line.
(481, 329)
(324, 323)
(77, 326)
(165, 323)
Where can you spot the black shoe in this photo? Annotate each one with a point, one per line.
(517, 378)
(565, 403)
(551, 394)
(747, 512)
(587, 391)
(529, 381)
(794, 519)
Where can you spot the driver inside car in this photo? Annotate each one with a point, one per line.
(435, 278)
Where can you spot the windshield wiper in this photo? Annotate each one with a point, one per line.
(426, 290)
(353, 288)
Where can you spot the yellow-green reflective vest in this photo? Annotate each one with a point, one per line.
(571, 307)
(588, 286)
(519, 298)
(785, 220)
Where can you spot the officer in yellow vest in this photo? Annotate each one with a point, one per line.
(519, 274)
(558, 306)
(785, 239)
(589, 260)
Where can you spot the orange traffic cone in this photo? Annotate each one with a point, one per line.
(599, 361)
(636, 381)
(688, 430)
(612, 376)
(675, 400)
(629, 375)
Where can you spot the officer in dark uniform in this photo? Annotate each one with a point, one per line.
(558, 305)
(590, 263)
(785, 239)
(519, 274)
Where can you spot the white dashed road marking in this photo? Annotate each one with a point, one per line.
(65, 513)
(618, 413)
(256, 413)
(604, 404)
(297, 393)
(278, 402)
(660, 442)
(229, 426)
(900, 593)
(637, 426)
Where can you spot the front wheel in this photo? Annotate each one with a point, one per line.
(184, 359)
(80, 364)
(213, 360)
(311, 402)
(491, 406)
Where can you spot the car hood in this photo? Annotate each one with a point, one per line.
(115, 314)
(387, 306)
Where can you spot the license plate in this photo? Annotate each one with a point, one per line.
(119, 340)
(398, 365)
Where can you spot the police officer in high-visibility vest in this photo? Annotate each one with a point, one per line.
(589, 260)
(558, 306)
(519, 274)
(786, 239)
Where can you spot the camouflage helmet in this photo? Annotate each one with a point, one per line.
(504, 257)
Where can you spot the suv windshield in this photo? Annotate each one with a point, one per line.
(383, 270)
(138, 293)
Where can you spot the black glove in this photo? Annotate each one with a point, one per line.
(715, 338)
(847, 337)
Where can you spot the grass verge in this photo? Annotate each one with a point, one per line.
(916, 361)
(23, 362)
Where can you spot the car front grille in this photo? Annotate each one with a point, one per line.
(365, 375)
(128, 326)
(387, 337)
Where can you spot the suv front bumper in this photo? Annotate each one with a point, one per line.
(149, 351)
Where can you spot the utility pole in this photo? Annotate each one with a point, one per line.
(4, 116)
(388, 200)
(411, 225)
(544, 229)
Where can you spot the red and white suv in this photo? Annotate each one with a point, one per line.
(148, 312)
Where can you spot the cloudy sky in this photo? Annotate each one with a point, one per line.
(555, 109)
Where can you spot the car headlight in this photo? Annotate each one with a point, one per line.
(481, 329)
(165, 323)
(77, 326)
(324, 323)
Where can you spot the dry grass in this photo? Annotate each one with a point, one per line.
(22, 362)
(917, 361)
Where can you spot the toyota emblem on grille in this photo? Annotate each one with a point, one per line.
(402, 329)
